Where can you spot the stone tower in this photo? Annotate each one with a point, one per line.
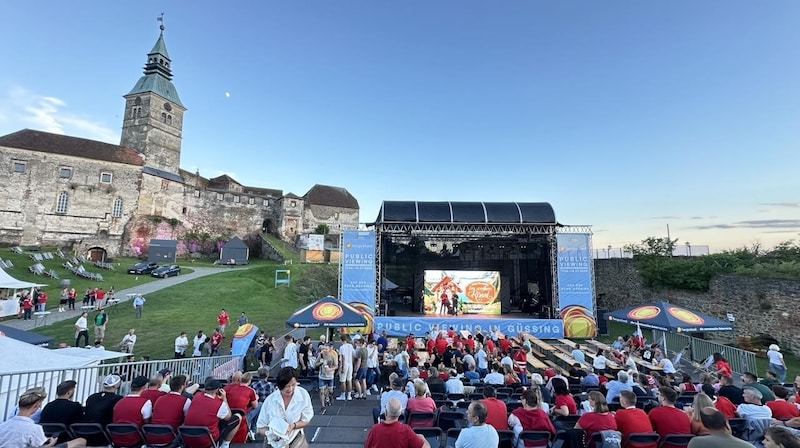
(153, 122)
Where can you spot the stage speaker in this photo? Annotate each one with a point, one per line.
(602, 324)
(419, 285)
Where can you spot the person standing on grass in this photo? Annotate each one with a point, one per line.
(242, 319)
(100, 321)
(128, 341)
(222, 321)
(138, 305)
(81, 330)
(71, 299)
(41, 302)
(181, 342)
(62, 300)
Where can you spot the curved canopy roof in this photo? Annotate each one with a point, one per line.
(467, 212)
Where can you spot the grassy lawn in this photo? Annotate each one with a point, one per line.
(286, 251)
(792, 362)
(194, 305)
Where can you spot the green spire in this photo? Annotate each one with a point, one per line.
(157, 72)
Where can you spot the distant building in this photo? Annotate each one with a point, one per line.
(101, 198)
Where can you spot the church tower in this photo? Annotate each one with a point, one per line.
(153, 122)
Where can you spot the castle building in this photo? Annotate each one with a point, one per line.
(107, 200)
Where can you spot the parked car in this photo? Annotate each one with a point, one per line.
(143, 268)
(167, 271)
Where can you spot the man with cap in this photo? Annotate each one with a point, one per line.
(100, 405)
(133, 408)
(63, 409)
(20, 430)
(210, 409)
(396, 392)
(171, 408)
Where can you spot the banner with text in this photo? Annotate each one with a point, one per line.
(575, 301)
(402, 326)
(358, 267)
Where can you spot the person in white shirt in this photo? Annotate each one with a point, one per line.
(506, 360)
(454, 385)
(494, 377)
(373, 367)
(401, 363)
(468, 361)
(667, 365)
(197, 342)
(752, 409)
(288, 406)
(181, 342)
(81, 330)
(128, 341)
(482, 363)
(413, 377)
(346, 354)
(289, 358)
(599, 363)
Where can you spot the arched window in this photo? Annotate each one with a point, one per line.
(62, 202)
(163, 117)
(116, 210)
(169, 120)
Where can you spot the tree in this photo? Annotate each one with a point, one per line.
(654, 246)
(322, 229)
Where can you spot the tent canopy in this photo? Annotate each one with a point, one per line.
(9, 282)
(26, 336)
(668, 317)
(96, 354)
(327, 312)
(29, 358)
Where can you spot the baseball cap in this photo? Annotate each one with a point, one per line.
(111, 380)
(164, 372)
(397, 382)
(139, 382)
(212, 384)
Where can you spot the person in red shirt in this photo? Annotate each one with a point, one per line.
(564, 402)
(27, 308)
(782, 409)
(100, 294)
(132, 408)
(496, 410)
(171, 408)
(666, 418)
(470, 341)
(41, 302)
(451, 332)
(391, 432)
(631, 419)
(216, 340)
(721, 365)
(411, 342)
(222, 321)
(152, 392)
(490, 347)
(441, 344)
(599, 419)
(210, 409)
(725, 406)
(241, 396)
(505, 344)
(530, 417)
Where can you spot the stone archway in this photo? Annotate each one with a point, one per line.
(97, 254)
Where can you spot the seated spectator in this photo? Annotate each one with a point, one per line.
(496, 412)
(666, 418)
(210, 409)
(781, 409)
(701, 401)
(725, 406)
(392, 433)
(577, 371)
(613, 388)
(480, 434)
(63, 409)
(494, 378)
(629, 418)
(171, 408)
(133, 408)
(153, 391)
(421, 403)
(395, 392)
(752, 409)
(686, 384)
(641, 387)
(578, 355)
(21, 431)
(509, 376)
(530, 417)
(600, 363)
(100, 405)
(729, 391)
(751, 380)
(719, 432)
(777, 437)
(598, 419)
(263, 388)
(564, 402)
(591, 379)
(435, 383)
(770, 379)
(707, 385)
(454, 384)
(242, 397)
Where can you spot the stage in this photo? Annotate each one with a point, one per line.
(509, 324)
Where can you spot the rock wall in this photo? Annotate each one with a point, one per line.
(760, 306)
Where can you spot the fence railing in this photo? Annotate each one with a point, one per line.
(90, 378)
(699, 350)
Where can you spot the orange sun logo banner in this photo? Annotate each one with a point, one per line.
(644, 312)
(327, 311)
(685, 315)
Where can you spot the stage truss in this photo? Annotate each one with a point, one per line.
(449, 231)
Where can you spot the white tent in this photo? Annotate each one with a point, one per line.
(11, 307)
(96, 354)
(25, 366)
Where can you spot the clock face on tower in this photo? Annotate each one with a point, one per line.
(167, 107)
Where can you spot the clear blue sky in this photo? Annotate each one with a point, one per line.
(625, 115)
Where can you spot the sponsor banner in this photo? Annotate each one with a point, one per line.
(463, 292)
(402, 326)
(242, 338)
(358, 267)
(575, 301)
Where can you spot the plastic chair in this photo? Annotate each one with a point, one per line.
(196, 437)
(94, 433)
(566, 421)
(507, 438)
(51, 429)
(451, 419)
(535, 438)
(738, 427)
(452, 436)
(676, 440)
(421, 419)
(513, 405)
(158, 436)
(432, 435)
(125, 435)
(642, 440)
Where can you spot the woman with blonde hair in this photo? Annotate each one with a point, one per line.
(598, 419)
(701, 401)
(509, 375)
(421, 403)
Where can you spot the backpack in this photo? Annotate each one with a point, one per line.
(610, 439)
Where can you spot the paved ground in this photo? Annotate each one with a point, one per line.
(144, 288)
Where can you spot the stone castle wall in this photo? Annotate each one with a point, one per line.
(760, 306)
(336, 218)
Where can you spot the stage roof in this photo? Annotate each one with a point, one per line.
(466, 212)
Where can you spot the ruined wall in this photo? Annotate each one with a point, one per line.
(336, 218)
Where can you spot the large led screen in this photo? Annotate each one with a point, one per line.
(461, 292)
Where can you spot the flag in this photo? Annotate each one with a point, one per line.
(242, 339)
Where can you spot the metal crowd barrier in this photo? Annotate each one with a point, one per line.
(699, 350)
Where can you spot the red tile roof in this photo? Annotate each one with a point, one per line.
(71, 146)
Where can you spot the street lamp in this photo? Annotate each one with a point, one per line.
(689, 248)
